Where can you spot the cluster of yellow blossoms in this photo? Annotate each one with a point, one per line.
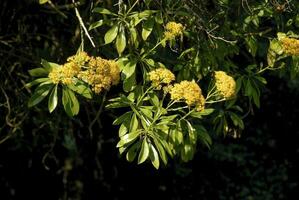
(225, 84)
(290, 46)
(100, 74)
(173, 30)
(97, 72)
(70, 69)
(161, 76)
(189, 92)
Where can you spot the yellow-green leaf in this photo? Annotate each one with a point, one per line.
(121, 42)
(111, 34)
(53, 99)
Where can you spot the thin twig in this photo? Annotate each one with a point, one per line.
(82, 25)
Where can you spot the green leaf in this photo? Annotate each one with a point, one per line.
(39, 94)
(154, 99)
(252, 45)
(49, 66)
(147, 112)
(38, 72)
(236, 120)
(53, 99)
(153, 154)
(43, 1)
(129, 68)
(132, 152)
(70, 102)
(127, 138)
(191, 132)
(161, 151)
(123, 129)
(147, 28)
(144, 152)
(103, 11)
(37, 81)
(96, 24)
(111, 34)
(187, 151)
(203, 135)
(134, 36)
(129, 83)
(134, 123)
(121, 42)
(81, 89)
(122, 118)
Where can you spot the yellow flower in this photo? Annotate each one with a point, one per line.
(161, 76)
(290, 46)
(173, 30)
(101, 74)
(55, 75)
(80, 59)
(97, 72)
(225, 84)
(189, 92)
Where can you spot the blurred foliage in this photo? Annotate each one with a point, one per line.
(76, 158)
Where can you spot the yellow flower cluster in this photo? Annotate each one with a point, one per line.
(97, 72)
(160, 76)
(189, 92)
(173, 30)
(225, 84)
(290, 46)
(101, 74)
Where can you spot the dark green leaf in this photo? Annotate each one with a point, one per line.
(39, 94)
(122, 118)
(147, 28)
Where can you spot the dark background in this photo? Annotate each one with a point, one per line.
(55, 157)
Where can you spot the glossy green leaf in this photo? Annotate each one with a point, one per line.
(53, 99)
(153, 154)
(39, 94)
(122, 118)
(37, 81)
(81, 89)
(161, 151)
(129, 68)
(111, 34)
(127, 138)
(70, 102)
(147, 28)
(121, 42)
(132, 152)
(134, 123)
(144, 152)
